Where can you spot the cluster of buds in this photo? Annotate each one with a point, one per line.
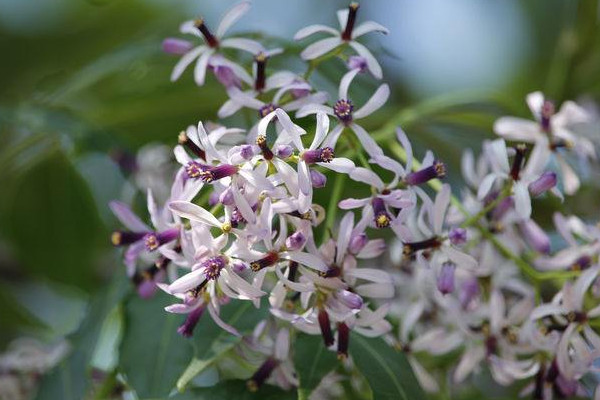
(454, 276)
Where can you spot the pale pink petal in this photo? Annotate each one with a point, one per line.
(127, 217)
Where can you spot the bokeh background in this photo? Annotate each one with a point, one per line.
(84, 86)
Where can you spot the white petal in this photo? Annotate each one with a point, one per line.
(345, 83)
(372, 63)
(231, 17)
(215, 316)
(127, 217)
(367, 176)
(339, 164)
(186, 60)
(369, 26)
(517, 129)
(442, 200)
(306, 259)
(312, 29)
(485, 186)
(370, 146)
(468, 362)
(251, 46)
(522, 200)
(322, 129)
(332, 138)
(570, 180)
(535, 101)
(193, 212)
(462, 260)
(375, 102)
(320, 47)
(187, 281)
(403, 138)
(244, 98)
(313, 109)
(344, 234)
(200, 68)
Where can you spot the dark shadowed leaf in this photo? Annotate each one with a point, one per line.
(236, 389)
(153, 355)
(211, 342)
(312, 361)
(388, 372)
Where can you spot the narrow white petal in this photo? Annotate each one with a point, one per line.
(339, 164)
(200, 68)
(376, 101)
(442, 200)
(320, 47)
(215, 316)
(312, 29)
(344, 233)
(251, 46)
(232, 16)
(345, 83)
(367, 27)
(372, 63)
(535, 101)
(186, 60)
(306, 259)
(485, 186)
(187, 281)
(522, 200)
(370, 146)
(367, 176)
(322, 129)
(193, 212)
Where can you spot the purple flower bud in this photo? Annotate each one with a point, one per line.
(213, 199)
(226, 76)
(535, 236)
(226, 198)
(469, 291)
(187, 328)
(295, 241)
(445, 281)
(502, 208)
(350, 299)
(146, 288)
(357, 243)
(176, 46)
(436, 170)
(284, 150)
(542, 184)
(458, 236)
(299, 93)
(357, 62)
(247, 152)
(239, 266)
(318, 179)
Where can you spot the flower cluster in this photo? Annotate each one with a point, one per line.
(246, 220)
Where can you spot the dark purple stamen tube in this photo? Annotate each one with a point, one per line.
(324, 155)
(411, 248)
(343, 340)
(211, 40)
(436, 170)
(261, 63)
(219, 172)
(261, 141)
(124, 238)
(347, 34)
(325, 326)
(515, 170)
(381, 216)
(187, 328)
(262, 374)
(184, 140)
(267, 261)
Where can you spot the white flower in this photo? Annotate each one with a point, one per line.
(550, 132)
(343, 110)
(347, 34)
(213, 43)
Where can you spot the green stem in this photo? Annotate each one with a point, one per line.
(332, 208)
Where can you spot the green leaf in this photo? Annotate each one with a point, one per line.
(211, 342)
(236, 389)
(70, 379)
(152, 354)
(388, 372)
(52, 223)
(312, 361)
